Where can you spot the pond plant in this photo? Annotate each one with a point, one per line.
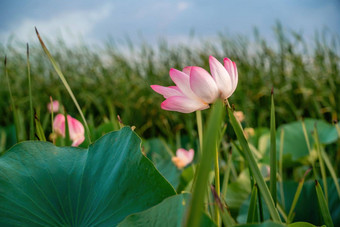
(229, 176)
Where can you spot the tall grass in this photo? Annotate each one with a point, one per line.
(304, 73)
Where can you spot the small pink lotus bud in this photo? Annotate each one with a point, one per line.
(239, 116)
(183, 157)
(54, 106)
(76, 129)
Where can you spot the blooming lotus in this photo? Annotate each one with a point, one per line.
(226, 77)
(183, 157)
(76, 129)
(195, 88)
(54, 106)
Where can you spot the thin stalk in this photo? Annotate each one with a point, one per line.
(217, 184)
(254, 168)
(282, 135)
(282, 212)
(39, 130)
(331, 170)
(252, 211)
(322, 166)
(67, 86)
(224, 211)
(226, 175)
(260, 207)
(67, 139)
(296, 198)
(15, 116)
(52, 118)
(200, 139)
(308, 145)
(337, 129)
(200, 130)
(209, 145)
(30, 94)
(327, 218)
(273, 150)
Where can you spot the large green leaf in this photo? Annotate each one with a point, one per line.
(307, 208)
(238, 191)
(160, 154)
(170, 212)
(264, 224)
(7, 137)
(294, 140)
(41, 184)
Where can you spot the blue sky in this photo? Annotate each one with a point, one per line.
(96, 21)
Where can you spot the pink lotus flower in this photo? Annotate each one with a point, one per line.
(226, 77)
(55, 105)
(195, 88)
(76, 129)
(183, 157)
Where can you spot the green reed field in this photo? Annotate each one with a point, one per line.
(279, 166)
(108, 81)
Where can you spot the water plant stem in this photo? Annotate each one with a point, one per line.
(203, 169)
(200, 130)
(308, 146)
(200, 139)
(282, 134)
(272, 150)
(15, 116)
(321, 162)
(52, 117)
(217, 184)
(30, 95)
(254, 168)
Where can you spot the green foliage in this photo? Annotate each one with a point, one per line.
(307, 205)
(304, 73)
(295, 147)
(46, 185)
(160, 154)
(170, 212)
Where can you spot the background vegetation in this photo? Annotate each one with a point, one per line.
(111, 80)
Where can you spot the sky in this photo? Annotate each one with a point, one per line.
(148, 20)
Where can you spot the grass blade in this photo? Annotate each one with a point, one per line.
(209, 146)
(39, 130)
(30, 94)
(252, 212)
(296, 198)
(331, 170)
(254, 168)
(63, 79)
(308, 146)
(226, 175)
(323, 206)
(322, 166)
(282, 135)
(222, 208)
(282, 212)
(272, 149)
(217, 180)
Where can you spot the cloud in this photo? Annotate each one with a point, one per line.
(69, 25)
(181, 6)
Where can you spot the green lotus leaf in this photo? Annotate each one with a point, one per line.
(45, 185)
(170, 212)
(160, 154)
(294, 144)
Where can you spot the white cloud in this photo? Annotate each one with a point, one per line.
(70, 26)
(181, 6)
